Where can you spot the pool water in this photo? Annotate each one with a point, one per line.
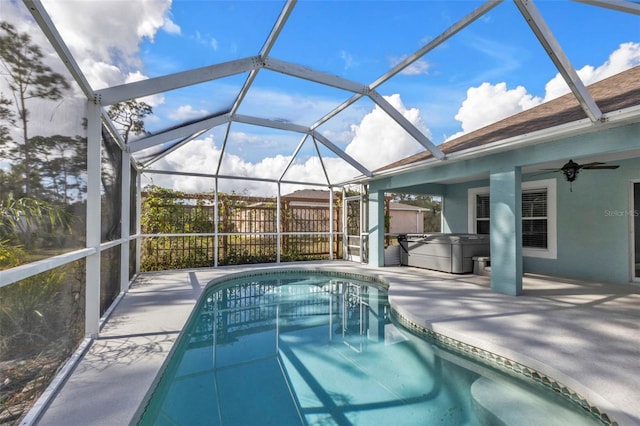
(316, 349)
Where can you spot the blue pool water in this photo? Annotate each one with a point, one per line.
(320, 349)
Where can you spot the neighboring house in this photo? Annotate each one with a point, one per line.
(310, 211)
(257, 217)
(505, 180)
(310, 198)
(405, 219)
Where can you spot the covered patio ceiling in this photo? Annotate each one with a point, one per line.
(241, 96)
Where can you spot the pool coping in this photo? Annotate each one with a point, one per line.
(544, 372)
(506, 365)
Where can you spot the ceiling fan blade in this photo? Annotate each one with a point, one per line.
(600, 167)
(589, 165)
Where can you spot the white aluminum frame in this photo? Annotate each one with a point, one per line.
(251, 66)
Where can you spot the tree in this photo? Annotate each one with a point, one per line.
(63, 160)
(21, 63)
(6, 116)
(129, 117)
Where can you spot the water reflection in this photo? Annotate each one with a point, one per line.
(354, 313)
(315, 349)
(303, 350)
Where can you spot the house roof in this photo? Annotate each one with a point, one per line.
(309, 195)
(614, 93)
(400, 206)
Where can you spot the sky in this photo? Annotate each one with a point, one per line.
(492, 69)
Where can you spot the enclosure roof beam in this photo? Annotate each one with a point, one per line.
(444, 36)
(340, 153)
(43, 19)
(315, 76)
(324, 169)
(619, 5)
(301, 129)
(337, 110)
(174, 147)
(244, 90)
(277, 28)
(411, 59)
(224, 146)
(152, 86)
(406, 125)
(106, 121)
(560, 60)
(218, 176)
(265, 122)
(268, 45)
(293, 157)
(178, 133)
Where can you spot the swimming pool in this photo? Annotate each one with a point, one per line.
(300, 347)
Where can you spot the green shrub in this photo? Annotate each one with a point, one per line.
(11, 256)
(29, 317)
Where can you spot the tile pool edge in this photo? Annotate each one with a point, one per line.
(322, 270)
(504, 364)
(483, 356)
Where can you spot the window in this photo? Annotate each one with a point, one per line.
(482, 213)
(534, 218)
(538, 216)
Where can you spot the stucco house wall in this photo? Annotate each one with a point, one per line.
(591, 222)
(594, 222)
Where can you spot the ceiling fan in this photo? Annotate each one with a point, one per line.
(571, 169)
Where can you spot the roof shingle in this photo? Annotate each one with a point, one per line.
(611, 94)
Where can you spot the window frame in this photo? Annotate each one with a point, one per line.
(551, 252)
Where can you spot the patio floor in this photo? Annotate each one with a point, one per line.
(585, 335)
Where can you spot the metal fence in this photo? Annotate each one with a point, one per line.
(181, 232)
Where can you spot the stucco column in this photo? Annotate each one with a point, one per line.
(506, 231)
(376, 228)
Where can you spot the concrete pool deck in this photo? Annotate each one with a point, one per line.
(585, 335)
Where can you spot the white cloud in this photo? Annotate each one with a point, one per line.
(202, 156)
(206, 40)
(489, 103)
(625, 57)
(296, 108)
(419, 67)
(153, 100)
(376, 129)
(378, 140)
(103, 34)
(171, 27)
(186, 112)
(347, 59)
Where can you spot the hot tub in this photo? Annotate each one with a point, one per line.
(451, 253)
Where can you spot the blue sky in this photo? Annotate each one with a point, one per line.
(361, 40)
(492, 69)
